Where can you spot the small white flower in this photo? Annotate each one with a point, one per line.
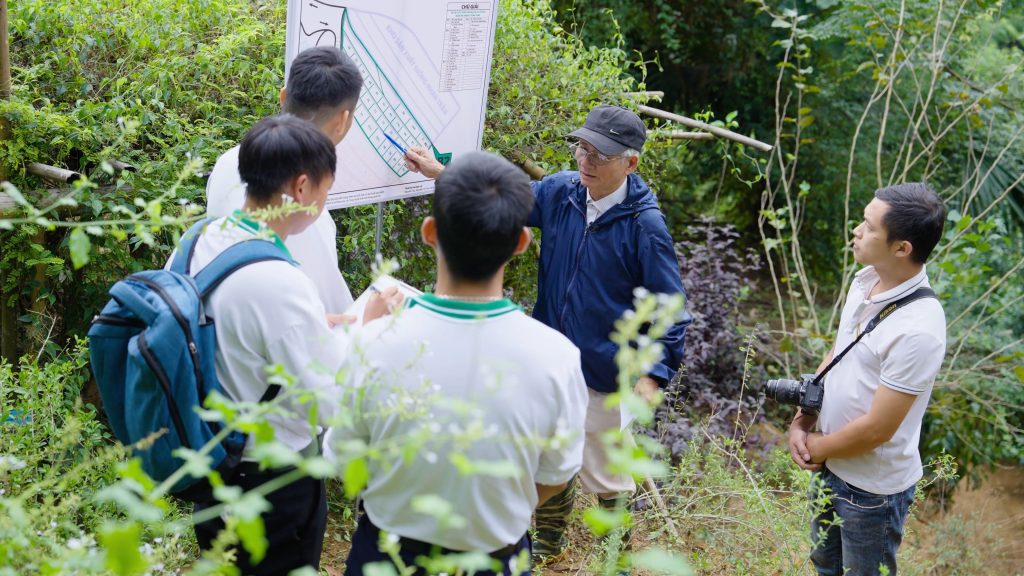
(53, 524)
(75, 544)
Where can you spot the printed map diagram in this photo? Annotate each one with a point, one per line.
(425, 66)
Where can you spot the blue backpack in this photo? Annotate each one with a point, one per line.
(152, 351)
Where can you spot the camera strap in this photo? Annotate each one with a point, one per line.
(886, 311)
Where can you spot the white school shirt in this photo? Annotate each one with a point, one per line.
(481, 382)
(264, 314)
(315, 249)
(904, 352)
(597, 207)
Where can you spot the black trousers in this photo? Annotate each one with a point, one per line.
(295, 525)
(365, 551)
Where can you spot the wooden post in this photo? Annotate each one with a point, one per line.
(5, 54)
(8, 313)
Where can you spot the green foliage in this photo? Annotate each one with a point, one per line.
(55, 460)
(167, 85)
(137, 83)
(916, 92)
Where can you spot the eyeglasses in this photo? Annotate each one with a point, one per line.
(594, 157)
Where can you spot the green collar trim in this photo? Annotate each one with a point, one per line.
(462, 310)
(245, 222)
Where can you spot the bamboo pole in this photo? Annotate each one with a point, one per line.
(120, 166)
(695, 124)
(659, 503)
(683, 135)
(533, 170)
(53, 173)
(656, 95)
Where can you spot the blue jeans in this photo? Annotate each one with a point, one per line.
(858, 531)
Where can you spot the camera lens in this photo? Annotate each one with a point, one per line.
(784, 391)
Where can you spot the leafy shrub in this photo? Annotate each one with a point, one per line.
(55, 458)
(714, 393)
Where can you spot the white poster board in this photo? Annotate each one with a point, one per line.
(425, 65)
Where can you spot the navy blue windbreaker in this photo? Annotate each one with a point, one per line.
(587, 274)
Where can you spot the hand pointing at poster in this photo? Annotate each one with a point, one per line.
(421, 160)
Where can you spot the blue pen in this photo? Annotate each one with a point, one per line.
(392, 140)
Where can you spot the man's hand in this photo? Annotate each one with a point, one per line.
(340, 320)
(646, 388)
(813, 448)
(419, 159)
(384, 302)
(799, 430)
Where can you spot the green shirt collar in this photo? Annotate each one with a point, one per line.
(462, 309)
(256, 228)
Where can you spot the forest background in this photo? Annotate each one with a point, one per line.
(852, 95)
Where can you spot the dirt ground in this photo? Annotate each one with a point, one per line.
(983, 526)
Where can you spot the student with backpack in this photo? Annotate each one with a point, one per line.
(269, 313)
(230, 303)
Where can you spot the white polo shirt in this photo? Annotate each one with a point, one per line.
(315, 249)
(904, 352)
(459, 384)
(264, 314)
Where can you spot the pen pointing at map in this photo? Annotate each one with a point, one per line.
(395, 142)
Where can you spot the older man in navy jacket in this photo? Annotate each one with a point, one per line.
(603, 236)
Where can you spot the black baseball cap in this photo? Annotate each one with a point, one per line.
(612, 130)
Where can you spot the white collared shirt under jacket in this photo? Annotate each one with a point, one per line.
(597, 207)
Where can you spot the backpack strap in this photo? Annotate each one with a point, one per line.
(187, 247)
(236, 257)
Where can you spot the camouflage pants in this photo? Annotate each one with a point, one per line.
(552, 520)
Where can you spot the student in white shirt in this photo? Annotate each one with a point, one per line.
(876, 396)
(323, 87)
(267, 313)
(466, 359)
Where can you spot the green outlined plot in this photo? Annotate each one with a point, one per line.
(381, 109)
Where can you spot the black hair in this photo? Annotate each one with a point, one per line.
(481, 203)
(321, 79)
(280, 148)
(916, 214)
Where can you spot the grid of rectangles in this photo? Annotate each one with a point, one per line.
(381, 109)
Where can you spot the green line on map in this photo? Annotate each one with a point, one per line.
(442, 157)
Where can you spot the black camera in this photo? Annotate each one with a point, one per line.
(804, 393)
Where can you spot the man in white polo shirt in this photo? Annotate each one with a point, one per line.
(462, 378)
(876, 396)
(323, 87)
